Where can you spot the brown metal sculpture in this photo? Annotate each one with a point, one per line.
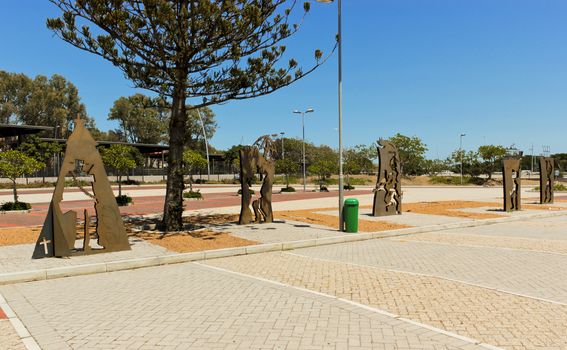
(546, 179)
(59, 233)
(512, 174)
(252, 162)
(388, 192)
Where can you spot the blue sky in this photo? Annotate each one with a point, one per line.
(493, 69)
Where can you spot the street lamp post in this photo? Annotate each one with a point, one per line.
(340, 105)
(283, 149)
(461, 154)
(309, 110)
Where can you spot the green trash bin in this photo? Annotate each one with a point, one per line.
(350, 215)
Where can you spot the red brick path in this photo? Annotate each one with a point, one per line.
(154, 204)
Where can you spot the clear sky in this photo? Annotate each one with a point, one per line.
(493, 69)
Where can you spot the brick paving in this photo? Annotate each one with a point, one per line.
(536, 274)
(549, 246)
(496, 318)
(188, 306)
(9, 340)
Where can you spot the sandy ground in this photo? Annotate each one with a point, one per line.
(13, 236)
(195, 241)
(312, 217)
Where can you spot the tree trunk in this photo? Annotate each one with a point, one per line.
(173, 208)
(119, 186)
(15, 190)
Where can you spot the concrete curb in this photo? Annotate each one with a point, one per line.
(130, 264)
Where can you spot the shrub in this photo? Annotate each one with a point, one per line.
(131, 182)
(193, 195)
(456, 180)
(348, 187)
(123, 200)
(10, 206)
(240, 192)
(288, 189)
(556, 187)
(200, 181)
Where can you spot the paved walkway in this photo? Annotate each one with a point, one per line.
(189, 306)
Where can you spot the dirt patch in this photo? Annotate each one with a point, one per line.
(22, 235)
(451, 209)
(184, 242)
(312, 217)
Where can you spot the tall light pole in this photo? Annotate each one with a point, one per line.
(309, 110)
(461, 154)
(340, 98)
(283, 149)
(206, 145)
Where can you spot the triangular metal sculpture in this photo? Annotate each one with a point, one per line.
(388, 191)
(59, 234)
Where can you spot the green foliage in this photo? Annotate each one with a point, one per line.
(192, 195)
(492, 156)
(123, 200)
(288, 167)
(11, 206)
(323, 169)
(470, 163)
(240, 191)
(412, 153)
(456, 180)
(121, 158)
(356, 161)
(15, 164)
(348, 187)
(287, 189)
(433, 167)
(41, 151)
(142, 119)
(45, 101)
(192, 162)
(557, 186)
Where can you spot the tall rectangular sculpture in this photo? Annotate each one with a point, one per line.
(59, 233)
(546, 179)
(388, 191)
(512, 176)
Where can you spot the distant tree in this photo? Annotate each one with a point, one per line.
(288, 167)
(15, 164)
(121, 158)
(471, 164)
(193, 161)
(142, 119)
(211, 51)
(433, 167)
(14, 92)
(323, 169)
(412, 153)
(39, 150)
(492, 158)
(232, 156)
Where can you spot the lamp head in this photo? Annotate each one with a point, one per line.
(325, 1)
(296, 112)
(309, 110)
